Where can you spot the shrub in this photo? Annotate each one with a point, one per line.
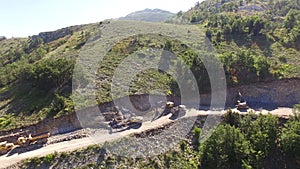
(226, 148)
(290, 139)
(196, 139)
(48, 158)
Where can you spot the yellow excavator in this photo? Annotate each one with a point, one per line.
(242, 105)
(118, 123)
(23, 141)
(5, 147)
(171, 108)
(241, 102)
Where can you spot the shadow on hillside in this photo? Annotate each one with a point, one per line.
(27, 99)
(264, 43)
(241, 40)
(245, 40)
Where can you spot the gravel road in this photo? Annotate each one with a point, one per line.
(87, 137)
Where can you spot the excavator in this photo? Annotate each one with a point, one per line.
(134, 121)
(242, 105)
(241, 102)
(24, 141)
(121, 120)
(5, 147)
(171, 108)
(39, 138)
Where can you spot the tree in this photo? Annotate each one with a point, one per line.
(290, 137)
(238, 26)
(49, 73)
(255, 25)
(262, 134)
(262, 67)
(226, 148)
(291, 19)
(208, 34)
(179, 14)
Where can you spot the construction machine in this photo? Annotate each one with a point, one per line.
(39, 138)
(171, 108)
(242, 105)
(134, 121)
(5, 147)
(241, 102)
(174, 110)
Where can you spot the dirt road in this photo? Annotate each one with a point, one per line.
(102, 136)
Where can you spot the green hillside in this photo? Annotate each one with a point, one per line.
(261, 31)
(256, 41)
(35, 76)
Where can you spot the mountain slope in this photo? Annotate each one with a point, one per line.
(253, 46)
(245, 32)
(149, 15)
(35, 75)
(257, 41)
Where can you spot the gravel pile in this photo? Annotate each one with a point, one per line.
(77, 134)
(152, 142)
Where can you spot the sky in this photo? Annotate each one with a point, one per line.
(23, 18)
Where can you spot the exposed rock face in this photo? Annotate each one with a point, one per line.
(47, 37)
(51, 36)
(280, 93)
(59, 125)
(252, 7)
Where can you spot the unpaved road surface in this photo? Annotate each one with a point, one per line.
(102, 136)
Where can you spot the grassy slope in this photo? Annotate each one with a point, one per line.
(23, 104)
(283, 57)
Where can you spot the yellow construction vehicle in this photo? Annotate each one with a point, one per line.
(171, 108)
(134, 121)
(5, 147)
(241, 102)
(242, 105)
(39, 138)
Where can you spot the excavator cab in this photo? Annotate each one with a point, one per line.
(170, 104)
(241, 102)
(242, 105)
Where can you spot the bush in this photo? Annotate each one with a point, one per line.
(196, 139)
(290, 139)
(49, 73)
(226, 148)
(48, 158)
